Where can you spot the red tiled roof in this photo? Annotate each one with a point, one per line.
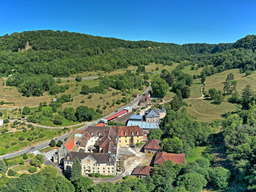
(153, 144)
(100, 125)
(116, 115)
(146, 98)
(163, 156)
(143, 170)
(129, 130)
(70, 142)
(135, 94)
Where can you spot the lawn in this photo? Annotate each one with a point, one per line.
(152, 67)
(20, 168)
(196, 89)
(17, 159)
(217, 80)
(195, 154)
(206, 111)
(12, 139)
(187, 69)
(169, 95)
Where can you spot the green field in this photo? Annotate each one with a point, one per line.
(187, 69)
(205, 111)
(217, 80)
(195, 154)
(196, 89)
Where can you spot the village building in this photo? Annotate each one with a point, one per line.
(102, 163)
(142, 171)
(129, 135)
(152, 146)
(146, 100)
(135, 95)
(146, 126)
(136, 118)
(161, 157)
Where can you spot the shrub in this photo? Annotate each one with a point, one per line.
(78, 78)
(41, 135)
(14, 143)
(83, 101)
(30, 138)
(92, 174)
(25, 156)
(32, 169)
(7, 146)
(30, 126)
(1, 114)
(11, 172)
(97, 175)
(59, 143)
(6, 121)
(52, 143)
(22, 162)
(118, 102)
(21, 138)
(24, 129)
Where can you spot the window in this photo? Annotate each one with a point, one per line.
(112, 171)
(125, 141)
(103, 171)
(103, 167)
(137, 136)
(88, 167)
(119, 141)
(108, 168)
(112, 167)
(108, 171)
(138, 140)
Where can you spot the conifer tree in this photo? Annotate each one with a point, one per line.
(3, 167)
(76, 170)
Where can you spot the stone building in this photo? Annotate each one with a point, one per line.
(142, 171)
(152, 146)
(102, 163)
(161, 157)
(146, 100)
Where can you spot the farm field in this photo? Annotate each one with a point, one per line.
(187, 69)
(205, 111)
(217, 80)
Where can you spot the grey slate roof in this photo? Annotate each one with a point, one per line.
(135, 117)
(143, 124)
(152, 113)
(99, 157)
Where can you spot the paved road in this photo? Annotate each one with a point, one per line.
(46, 144)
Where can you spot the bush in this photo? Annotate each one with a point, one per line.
(78, 78)
(21, 138)
(1, 114)
(25, 156)
(24, 129)
(7, 146)
(22, 162)
(30, 138)
(83, 101)
(118, 102)
(92, 174)
(14, 143)
(32, 169)
(52, 143)
(11, 172)
(59, 143)
(97, 175)
(41, 135)
(6, 121)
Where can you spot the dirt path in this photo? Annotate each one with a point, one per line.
(202, 94)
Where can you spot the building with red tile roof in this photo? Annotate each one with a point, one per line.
(152, 146)
(135, 94)
(161, 157)
(146, 100)
(142, 171)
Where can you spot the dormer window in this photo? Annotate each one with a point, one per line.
(125, 133)
(137, 133)
(67, 157)
(109, 160)
(99, 134)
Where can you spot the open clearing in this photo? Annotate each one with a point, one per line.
(195, 154)
(205, 111)
(187, 69)
(196, 89)
(217, 80)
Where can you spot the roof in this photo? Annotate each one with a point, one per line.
(116, 115)
(161, 157)
(100, 125)
(128, 108)
(136, 117)
(152, 113)
(163, 108)
(143, 124)
(153, 144)
(128, 131)
(142, 170)
(70, 142)
(99, 157)
(146, 98)
(135, 93)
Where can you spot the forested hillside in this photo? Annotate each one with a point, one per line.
(61, 54)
